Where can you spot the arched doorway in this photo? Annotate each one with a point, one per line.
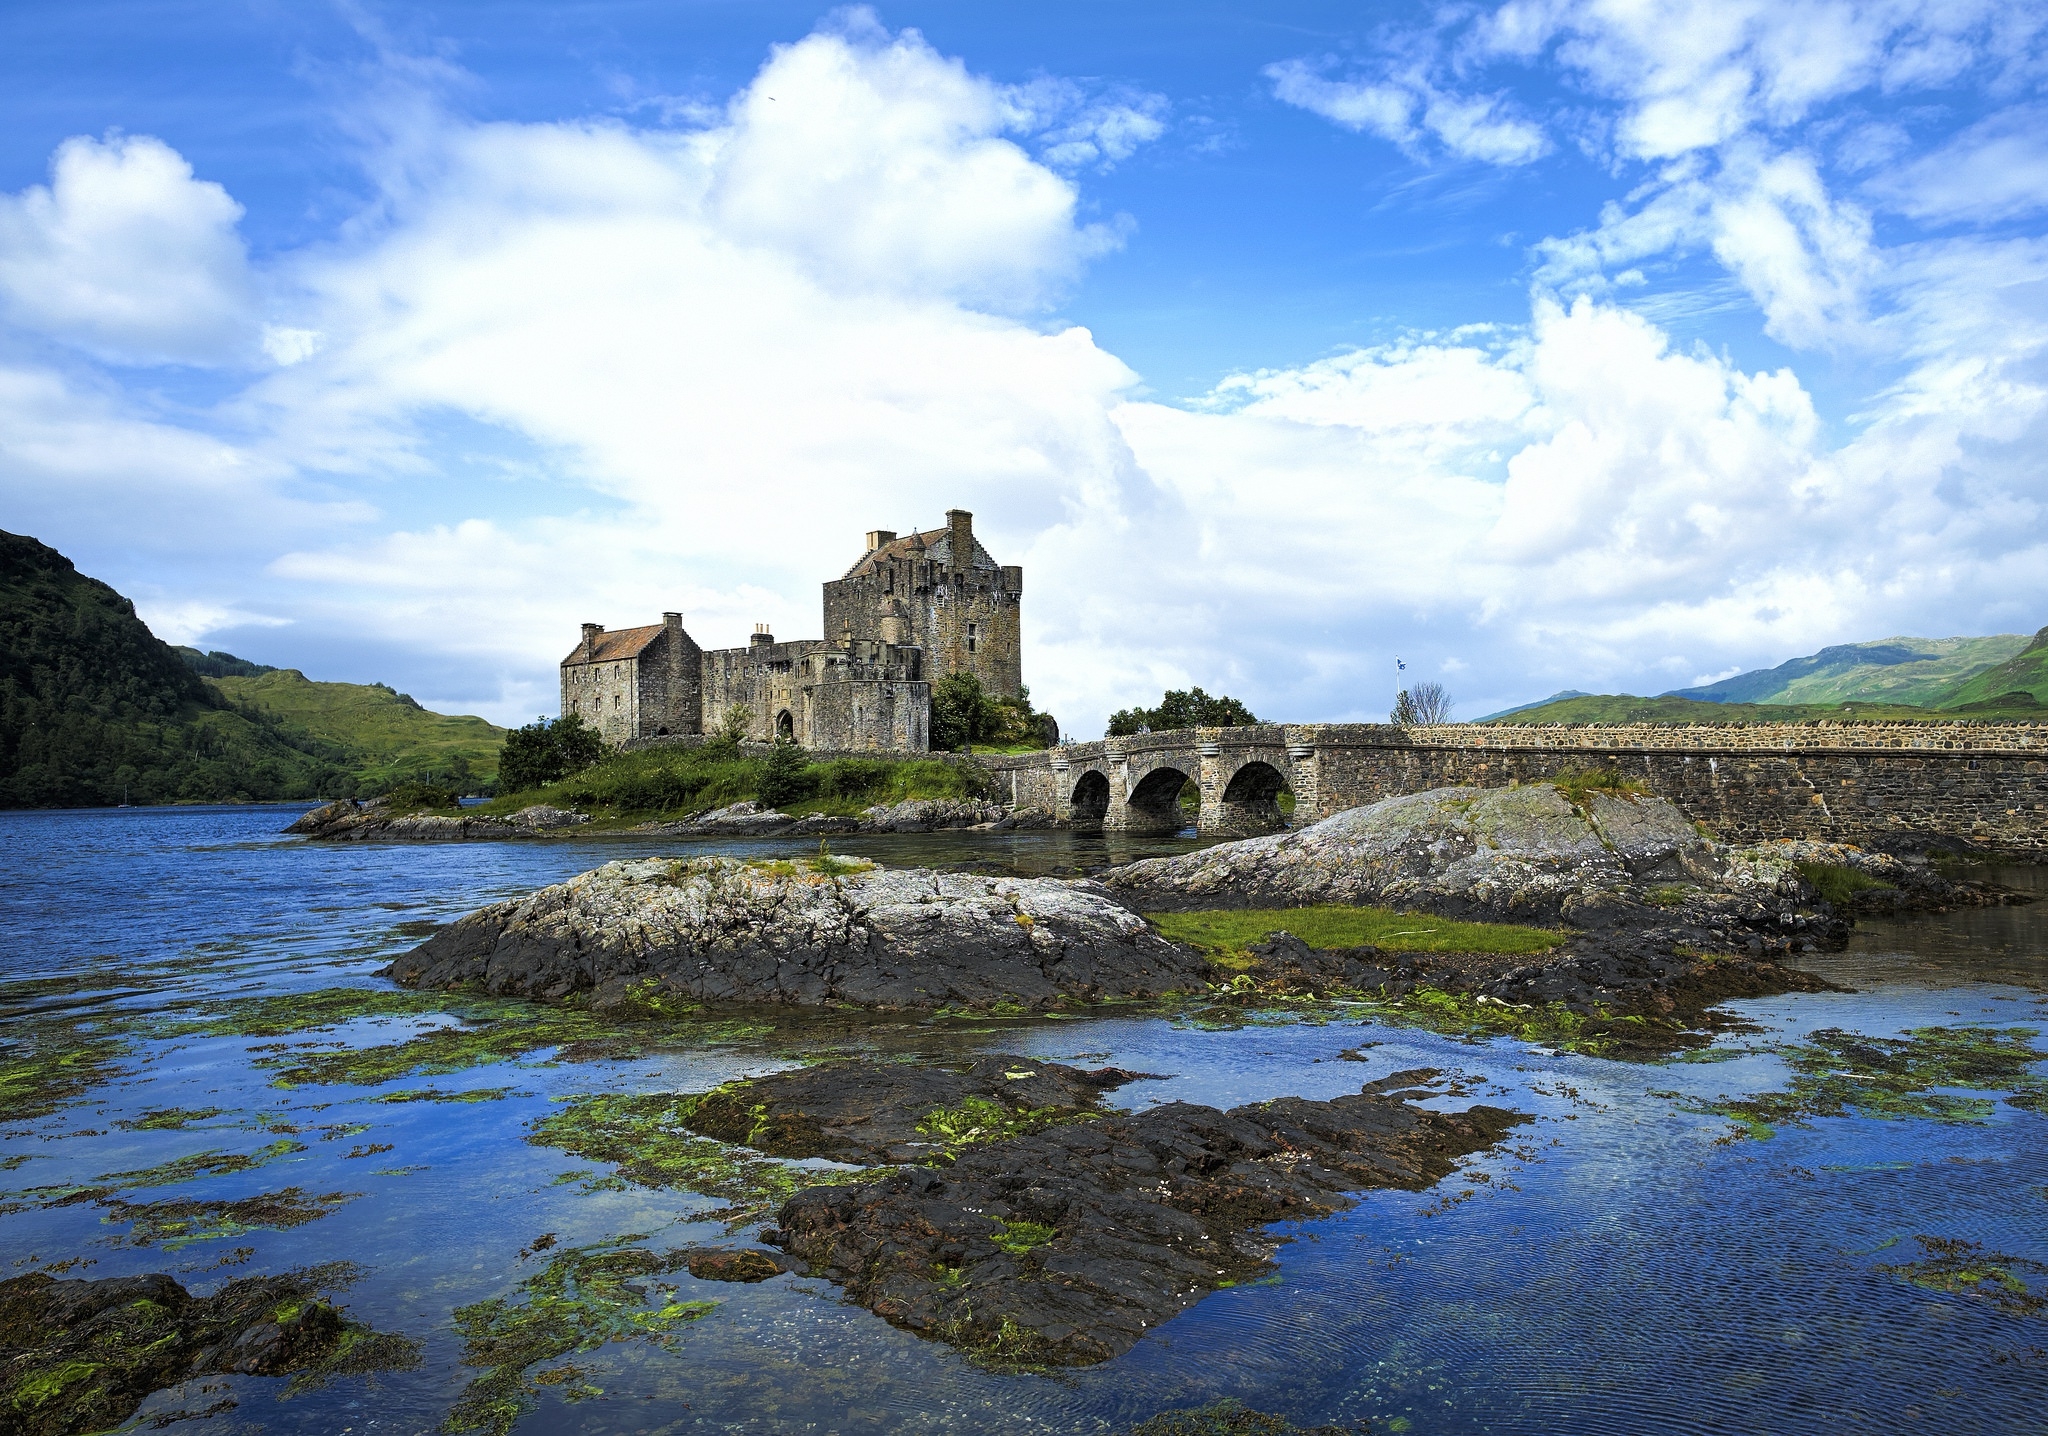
(1252, 801)
(1090, 801)
(785, 727)
(1154, 805)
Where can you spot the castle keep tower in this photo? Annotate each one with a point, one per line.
(909, 612)
(944, 594)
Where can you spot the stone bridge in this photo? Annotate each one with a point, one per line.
(1985, 783)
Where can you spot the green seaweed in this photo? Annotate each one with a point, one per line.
(584, 1298)
(1230, 1417)
(170, 1119)
(979, 1119)
(282, 1014)
(646, 1138)
(1964, 1268)
(1600, 1033)
(1021, 1237)
(436, 1094)
(49, 1062)
(1835, 1073)
(189, 1168)
(176, 1224)
(485, 1034)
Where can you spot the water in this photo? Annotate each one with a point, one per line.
(1619, 1265)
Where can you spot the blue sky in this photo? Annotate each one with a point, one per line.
(1554, 343)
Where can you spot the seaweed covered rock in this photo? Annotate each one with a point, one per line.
(1064, 1246)
(349, 820)
(1231, 1418)
(1523, 852)
(865, 1113)
(82, 1355)
(822, 932)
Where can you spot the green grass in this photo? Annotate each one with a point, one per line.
(1223, 934)
(665, 784)
(387, 737)
(1838, 884)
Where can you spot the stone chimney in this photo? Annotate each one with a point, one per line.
(961, 523)
(878, 537)
(671, 621)
(591, 633)
(762, 637)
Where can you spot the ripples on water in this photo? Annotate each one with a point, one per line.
(1617, 1266)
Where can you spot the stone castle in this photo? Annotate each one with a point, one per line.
(909, 612)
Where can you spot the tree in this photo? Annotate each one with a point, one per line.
(544, 752)
(1422, 705)
(963, 713)
(782, 775)
(1190, 708)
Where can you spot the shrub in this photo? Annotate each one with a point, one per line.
(1837, 884)
(544, 752)
(1578, 784)
(963, 713)
(413, 797)
(783, 776)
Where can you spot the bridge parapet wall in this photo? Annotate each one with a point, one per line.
(1848, 782)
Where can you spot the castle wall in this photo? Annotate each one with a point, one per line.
(967, 619)
(606, 695)
(873, 698)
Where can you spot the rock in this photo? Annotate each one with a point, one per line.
(867, 1113)
(926, 815)
(1066, 1245)
(1499, 852)
(743, 819)
(82, 1355)
(822, 824)
(718, 930)
(540, 817)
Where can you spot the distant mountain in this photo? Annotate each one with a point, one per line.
(1628, 708)
(2025, 672)
(1558, 697)
(95, 709)
(1924, 672)
(387, 736)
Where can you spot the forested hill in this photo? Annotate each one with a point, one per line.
(95, 709)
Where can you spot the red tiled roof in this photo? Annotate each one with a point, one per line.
(618, 643)
(933, 544)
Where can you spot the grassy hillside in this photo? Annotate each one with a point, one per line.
(387, 737)
(1627, 708)
(95, 709)
(2024, 672)
(1924, 672)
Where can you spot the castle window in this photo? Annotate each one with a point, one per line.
(972, 637)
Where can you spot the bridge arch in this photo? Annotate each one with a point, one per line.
(1250, 801)
(1153, 805)
(1088, 805)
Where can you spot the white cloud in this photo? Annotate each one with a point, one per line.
(1402, 105)
(1995, 170)
(126, 255)
(186, 621)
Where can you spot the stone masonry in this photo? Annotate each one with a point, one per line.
(1865, 783)
(908, 612)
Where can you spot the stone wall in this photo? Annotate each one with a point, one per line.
(1862, 783)
(965, 617)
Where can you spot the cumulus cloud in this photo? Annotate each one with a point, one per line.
(127, 255)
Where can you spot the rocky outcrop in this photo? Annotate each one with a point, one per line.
(349, 820)
(816, 932)
(1067, 1244)
(82, 1355)
(1526, 852)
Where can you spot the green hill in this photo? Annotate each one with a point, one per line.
(2025, 672)
(1627, 708)
(95, 709)
(387, 737)
(1924, 672)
